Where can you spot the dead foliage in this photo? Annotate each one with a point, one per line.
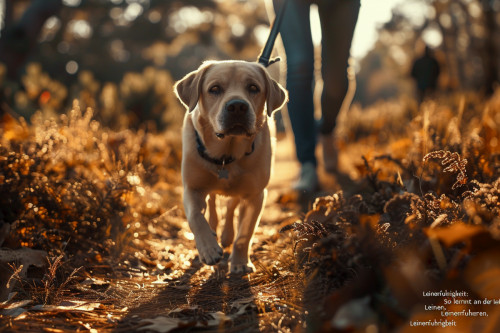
(421, 213)
(76, 195)
(432, 225)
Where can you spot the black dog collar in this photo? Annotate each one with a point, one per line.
(224, 160)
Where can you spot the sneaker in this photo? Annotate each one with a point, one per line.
(308, 179)
(330, 153)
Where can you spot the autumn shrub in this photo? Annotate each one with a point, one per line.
(141, 99)
(439, 210)
(70, 187)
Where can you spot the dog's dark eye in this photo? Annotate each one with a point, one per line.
(216, 90)
(253, 89)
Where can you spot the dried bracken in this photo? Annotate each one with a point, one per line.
(429, 221)
(483, 205)
(68, 187)
(109, 202)
(453, 162)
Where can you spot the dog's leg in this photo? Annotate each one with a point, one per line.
(206, 241)
(227, 236)
(250, 213)
(213, 219)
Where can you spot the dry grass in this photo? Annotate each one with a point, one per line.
(420, 213)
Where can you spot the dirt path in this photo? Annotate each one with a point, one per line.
(205, 298)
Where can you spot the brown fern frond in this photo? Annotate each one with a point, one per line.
(309, 228)
(453, 162)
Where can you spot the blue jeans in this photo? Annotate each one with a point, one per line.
(338, 20)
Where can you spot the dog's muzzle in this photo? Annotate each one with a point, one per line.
(236, 118)
(237, 107)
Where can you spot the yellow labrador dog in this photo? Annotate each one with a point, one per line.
(227, 150)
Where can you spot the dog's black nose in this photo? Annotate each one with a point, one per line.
(237, 107)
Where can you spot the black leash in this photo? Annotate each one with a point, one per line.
(265, 56)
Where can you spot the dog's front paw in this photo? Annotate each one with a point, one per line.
(242, 268)
(209, 250)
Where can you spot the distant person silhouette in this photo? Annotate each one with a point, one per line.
(425, 71)
(338, 20)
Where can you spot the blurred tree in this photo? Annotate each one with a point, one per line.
(18, 40)
(470, 41)
(19, 37)
(384, 70)
(491, 53)
(112, 39)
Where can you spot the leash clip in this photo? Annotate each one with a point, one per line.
(272, 61)
(264, 57)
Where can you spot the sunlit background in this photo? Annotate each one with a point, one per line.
(86, 176)
(372, 14)
(94, 50)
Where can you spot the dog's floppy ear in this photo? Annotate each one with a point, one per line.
(277, 96)
(188, 89)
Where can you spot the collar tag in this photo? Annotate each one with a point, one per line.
(223, 173)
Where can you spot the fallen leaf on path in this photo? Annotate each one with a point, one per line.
(92, 281)
(13, 312)
(15, 309)
(16, 304)
(162, 324)
(95, 283)
(68, 306)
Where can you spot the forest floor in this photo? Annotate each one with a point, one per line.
(99, 240)
(179, 291)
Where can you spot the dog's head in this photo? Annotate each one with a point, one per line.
(235, 97)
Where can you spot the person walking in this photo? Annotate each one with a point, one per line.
(338, 21)
(425, 71)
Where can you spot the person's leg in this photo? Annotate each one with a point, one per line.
(338, 20)
(295, 32)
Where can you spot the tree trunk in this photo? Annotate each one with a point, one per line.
(490, 57)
